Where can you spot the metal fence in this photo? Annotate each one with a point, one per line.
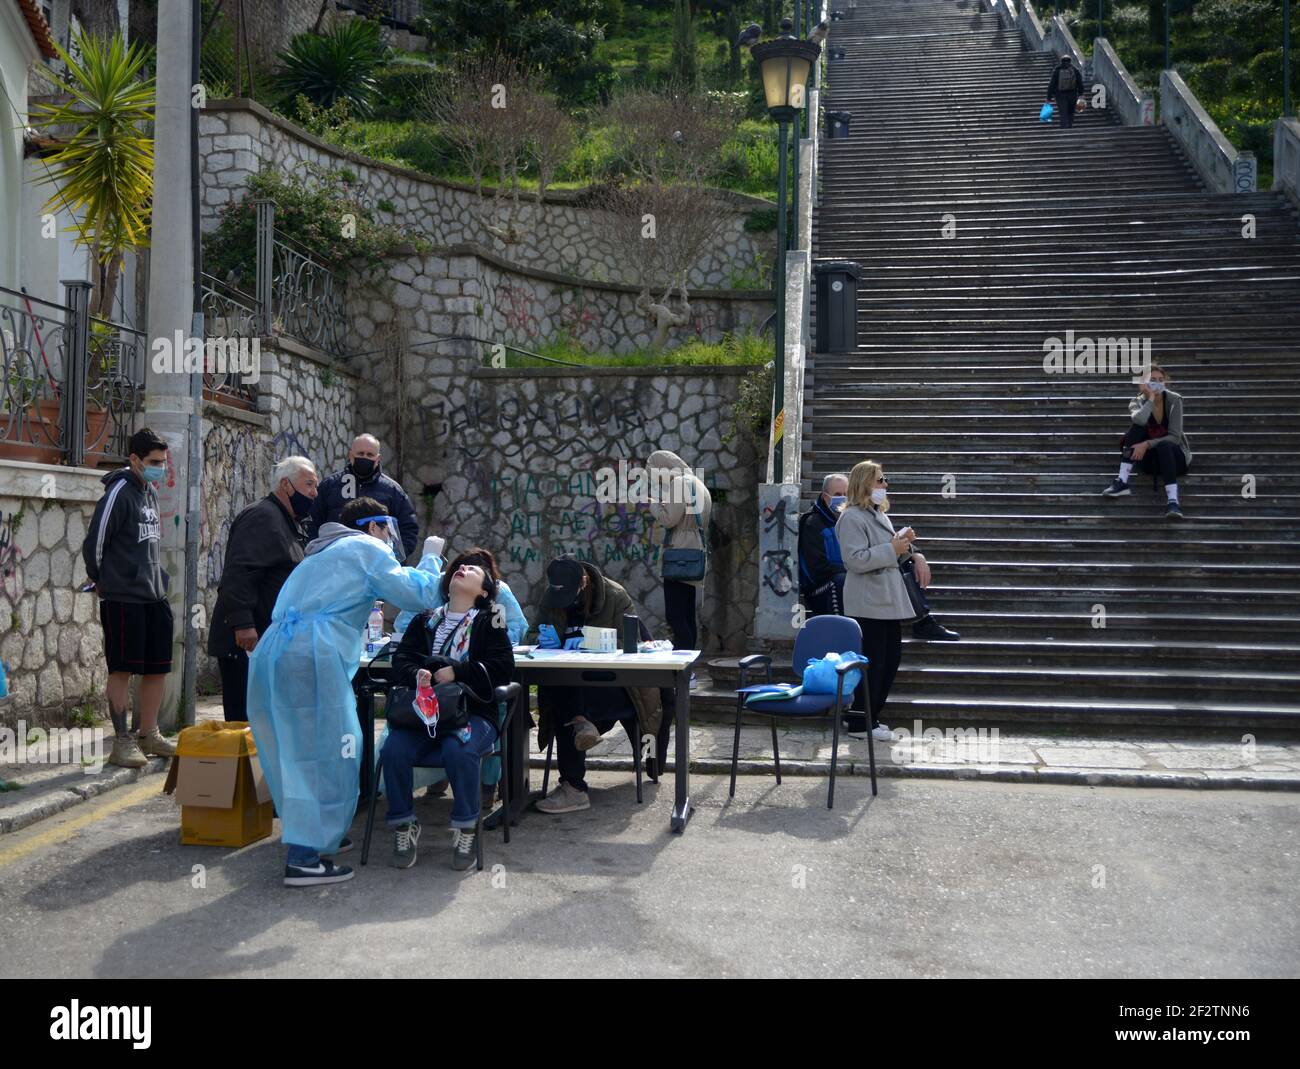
(70, 383)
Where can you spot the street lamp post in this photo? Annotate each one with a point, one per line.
(785, 64)
(1286, 57)
(1167, 35)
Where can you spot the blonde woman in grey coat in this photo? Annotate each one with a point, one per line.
(874, 591)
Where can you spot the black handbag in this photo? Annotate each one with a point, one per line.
(914, 595)
(453, 713)
(685, 565)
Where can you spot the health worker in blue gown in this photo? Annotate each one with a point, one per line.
(300, 701)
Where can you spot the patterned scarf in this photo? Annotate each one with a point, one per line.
(458, 646)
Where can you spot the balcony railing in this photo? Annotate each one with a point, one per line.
(70, 383)
(229, 313)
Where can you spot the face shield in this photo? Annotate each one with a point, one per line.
(393, 536)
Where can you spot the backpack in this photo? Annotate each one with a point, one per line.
(1068, 81)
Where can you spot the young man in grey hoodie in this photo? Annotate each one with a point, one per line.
(121, 555)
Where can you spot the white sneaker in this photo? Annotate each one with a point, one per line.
(881, 733)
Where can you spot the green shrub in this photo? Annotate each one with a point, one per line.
(762, 221)
(338, 64)
(1210, 79)
(311, 214)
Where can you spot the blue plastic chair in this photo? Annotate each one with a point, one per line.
(819, 636)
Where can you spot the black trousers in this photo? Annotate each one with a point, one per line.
(679, 611)
(234, 685)
(882, 643)
(1065, 106)
(604, 707)
(1163, 458)
(830, 602)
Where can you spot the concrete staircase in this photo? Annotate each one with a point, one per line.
(1107, 231)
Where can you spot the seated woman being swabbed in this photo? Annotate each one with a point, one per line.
(463, 641)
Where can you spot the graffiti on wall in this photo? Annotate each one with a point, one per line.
(11, 559)
(778, 544)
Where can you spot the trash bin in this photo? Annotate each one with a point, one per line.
(837, 124)
(835, 55)
(837, 305)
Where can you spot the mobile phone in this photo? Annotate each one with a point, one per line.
(88, 588)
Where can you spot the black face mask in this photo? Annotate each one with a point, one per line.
(364, 467)
(299, 504)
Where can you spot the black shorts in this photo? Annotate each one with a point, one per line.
(137, 636)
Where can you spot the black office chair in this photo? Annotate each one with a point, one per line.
(505, 698)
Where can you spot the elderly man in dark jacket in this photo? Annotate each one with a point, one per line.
(361, 477)
(579, 595)
(264, 545)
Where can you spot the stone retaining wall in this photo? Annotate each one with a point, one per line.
(238, 137)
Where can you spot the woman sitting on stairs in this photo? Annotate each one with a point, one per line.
(1155, 443)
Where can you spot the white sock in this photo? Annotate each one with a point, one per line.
(1171, 492)
(1125, 470)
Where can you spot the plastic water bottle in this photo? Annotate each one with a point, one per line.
(375, 628)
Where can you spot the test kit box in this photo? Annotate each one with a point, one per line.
(216, 778)
(600, 639)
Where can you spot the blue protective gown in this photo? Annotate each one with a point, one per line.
(300, 701)
(516, 622)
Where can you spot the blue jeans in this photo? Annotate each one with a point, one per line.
(407, 749)
(302, 856)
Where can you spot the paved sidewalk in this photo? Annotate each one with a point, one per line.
(1201, 761)
(1184, 761)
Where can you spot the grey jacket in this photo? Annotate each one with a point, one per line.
(1140, 409)
(874, 587)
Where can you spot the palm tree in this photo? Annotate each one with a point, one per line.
(103, 167)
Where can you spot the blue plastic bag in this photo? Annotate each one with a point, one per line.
(1045, 115)
(819, 677)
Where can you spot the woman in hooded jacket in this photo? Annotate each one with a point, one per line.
(680, 505)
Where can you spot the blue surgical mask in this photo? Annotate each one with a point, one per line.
(837, 502)
(154, 475)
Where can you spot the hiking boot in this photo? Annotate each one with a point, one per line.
(405, 837)
(324, 871)
(155, 745)
(564, 799)
(126, 753)
(1119, 488)
(463, 854)
(585, 735)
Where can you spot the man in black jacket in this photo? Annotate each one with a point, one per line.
(821, 570)
(1064, 88)
(265, 544)
(362, 478)
(121, 555)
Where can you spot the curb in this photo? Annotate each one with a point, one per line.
(29, 811)
(1077, 777)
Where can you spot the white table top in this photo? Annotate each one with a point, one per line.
(532, 657)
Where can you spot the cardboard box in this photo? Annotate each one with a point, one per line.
(218, 782)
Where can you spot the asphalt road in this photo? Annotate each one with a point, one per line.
(931, 878)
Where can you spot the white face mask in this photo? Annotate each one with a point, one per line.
(878, 496)
(1156, 387)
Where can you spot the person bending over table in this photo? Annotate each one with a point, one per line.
(456, 642)
(580, 595)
